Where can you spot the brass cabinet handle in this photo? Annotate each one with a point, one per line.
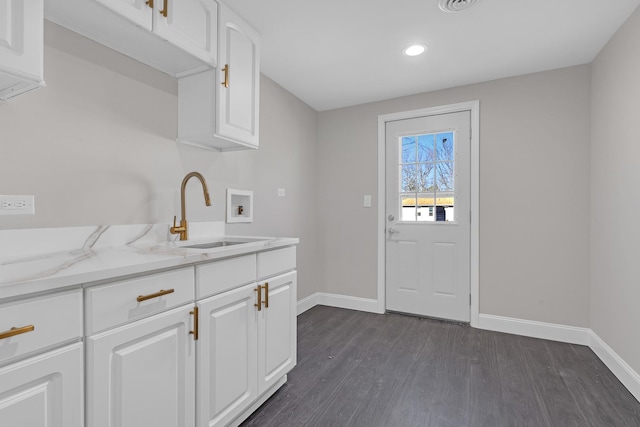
(156, 295)
(259, 303)
(16, 331)
(195, 323)
(225, 83)
(150, 3)
(266, 295)
(164, 12)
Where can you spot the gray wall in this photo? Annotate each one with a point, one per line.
(97, 146)
(615, 200)
(534, 194)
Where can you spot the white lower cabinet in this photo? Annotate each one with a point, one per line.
(44, 390)
(41, 361)
(227, 368)
(277, 330)
(143, 373)
(247, 343)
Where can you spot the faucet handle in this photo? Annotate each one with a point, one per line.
(174, 221)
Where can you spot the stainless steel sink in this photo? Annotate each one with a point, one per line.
(211, 245)
(222, 243)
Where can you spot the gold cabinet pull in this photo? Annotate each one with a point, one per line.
(164, 11)
(150, 3)
(266, 295)
(16, 331)
(156, 295)
(196, 322)
(225, 83)
(259, 303)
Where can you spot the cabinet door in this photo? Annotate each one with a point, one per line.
(277, 330)
(143, 373)
(21, 46)
(44, 391)
(227, 351)
(238, 53)
(191, 25)
(137, 11)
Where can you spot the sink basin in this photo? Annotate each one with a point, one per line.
(222, 243)
(211, 245)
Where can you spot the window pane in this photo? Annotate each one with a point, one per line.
(425, 207)
(425, 148)
(444, 210)
(409, 178)
(426, 175)
(408, 149)
(444, 176)
(444, 146)
(408, 207)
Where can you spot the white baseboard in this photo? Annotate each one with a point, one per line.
(340, 301)
(620, 368)
(307, 303)
(530, 328)
(568, 334)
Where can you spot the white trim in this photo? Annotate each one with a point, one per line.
(621, 369)
(474, 107)
(340, 301)
(307, 303)
(531, 328)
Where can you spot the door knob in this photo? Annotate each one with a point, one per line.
(393, 231)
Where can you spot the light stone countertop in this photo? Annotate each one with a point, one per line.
(107, 253)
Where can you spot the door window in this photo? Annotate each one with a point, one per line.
(427, 172)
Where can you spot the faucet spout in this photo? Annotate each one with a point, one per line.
(183, 229)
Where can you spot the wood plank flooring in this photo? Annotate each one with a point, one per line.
(363, 369)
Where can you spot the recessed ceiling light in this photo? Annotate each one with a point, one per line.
(415, 50)
(455, 5)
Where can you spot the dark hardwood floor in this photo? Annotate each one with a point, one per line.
(362, 369)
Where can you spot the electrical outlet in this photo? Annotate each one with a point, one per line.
(17, 205)
(281, 192)
(367, 200)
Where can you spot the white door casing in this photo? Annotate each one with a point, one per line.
(447, 252)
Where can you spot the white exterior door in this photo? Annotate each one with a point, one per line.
(227, 356)
(428, 202)
(277, 351)
(44, 391)
(143, 373)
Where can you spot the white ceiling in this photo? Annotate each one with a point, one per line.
(336, 53)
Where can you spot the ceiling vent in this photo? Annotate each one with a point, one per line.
(455, 5)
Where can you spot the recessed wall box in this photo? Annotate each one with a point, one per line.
(239, 205)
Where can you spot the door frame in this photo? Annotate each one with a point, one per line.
(474, 108)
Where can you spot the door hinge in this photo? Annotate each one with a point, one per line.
(469, 299)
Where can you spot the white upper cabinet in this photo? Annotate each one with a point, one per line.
(21, 46)
(239, 76)
(219, 109)
(141, 29)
